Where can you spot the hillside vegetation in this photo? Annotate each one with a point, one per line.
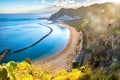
(26, 71)
(100, 25)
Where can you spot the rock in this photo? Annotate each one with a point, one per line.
(4, 53)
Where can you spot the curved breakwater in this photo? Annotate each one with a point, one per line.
(51, 30)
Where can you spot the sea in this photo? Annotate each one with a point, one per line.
(30, 36)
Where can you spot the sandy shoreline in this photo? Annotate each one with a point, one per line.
(63, 59)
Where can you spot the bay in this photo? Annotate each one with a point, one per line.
(18, 31)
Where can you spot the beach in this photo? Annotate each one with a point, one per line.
(63, 60)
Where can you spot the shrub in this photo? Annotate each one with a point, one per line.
(3, 74)
(115, 66)
(22, 71)
(75, 65)
(85, 77)
(113, 76)
(26, 71)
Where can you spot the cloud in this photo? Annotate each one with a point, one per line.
(65, 3)
(71, 1)
(78, 3)
(43, 1)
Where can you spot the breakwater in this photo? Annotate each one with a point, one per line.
(51, 30)
(4, 53)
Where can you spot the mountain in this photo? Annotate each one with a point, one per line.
(100, 24)
(102, 10)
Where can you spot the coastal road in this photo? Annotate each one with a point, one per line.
(25, 48)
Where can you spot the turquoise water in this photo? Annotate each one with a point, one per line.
(18, 32)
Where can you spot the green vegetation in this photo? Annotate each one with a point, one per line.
(98, 35)
(101, 41)
(75, 65)
(25, 71)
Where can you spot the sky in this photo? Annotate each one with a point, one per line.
(16, 6)
(23, 6)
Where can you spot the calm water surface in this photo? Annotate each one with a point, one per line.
(18, 31)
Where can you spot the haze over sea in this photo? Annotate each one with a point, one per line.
(18, 31)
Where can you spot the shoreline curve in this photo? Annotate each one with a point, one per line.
(62, 60)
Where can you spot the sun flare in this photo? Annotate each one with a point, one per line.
(118, 1)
